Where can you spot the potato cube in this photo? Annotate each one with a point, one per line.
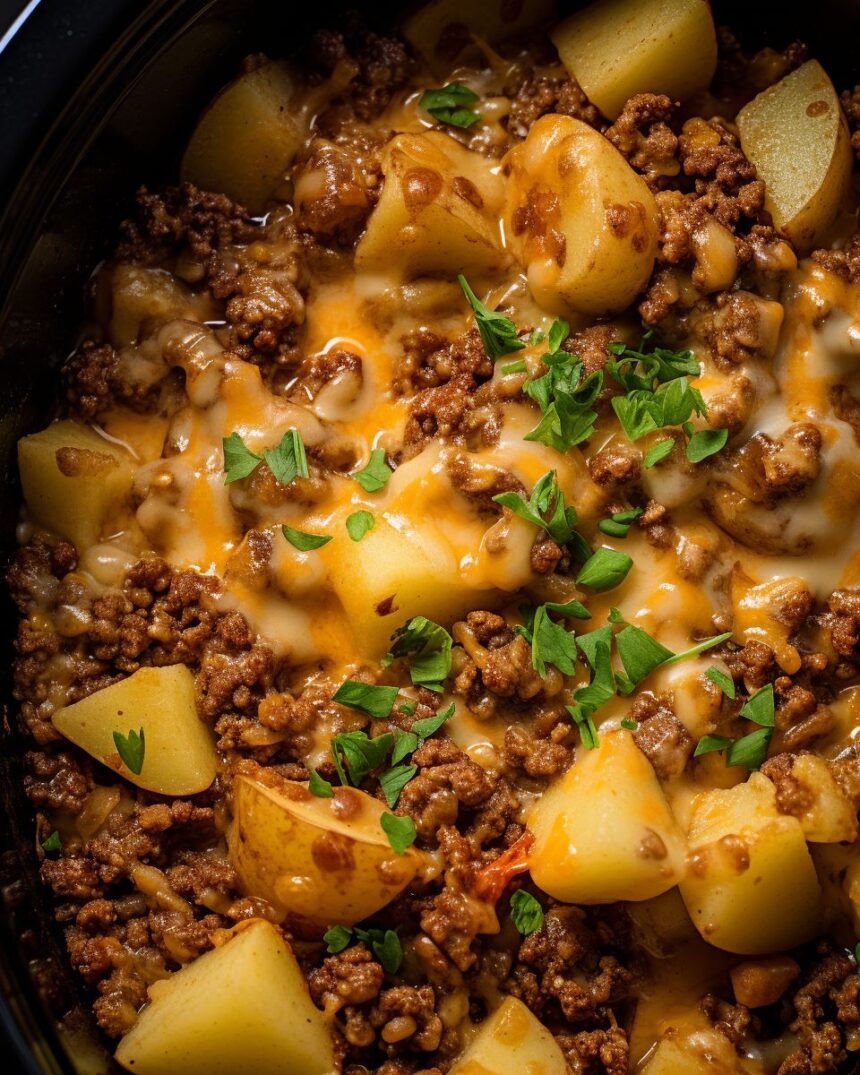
(74, 481)
(246, 140)
(615, 48)
(745, 857)
(511, 1032)
(580, 221)
(179, 755)
(241, 1009)
(826, 816)
(141, 294)
(438, 212)
(609, 790)
(796, 136)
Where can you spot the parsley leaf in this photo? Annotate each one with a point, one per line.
(551, 644)
(450, 104)
(131, 748)
(318, 786)
(429, 647)
(408, 707)
(723, 681)
(429, 725)
(356, 755)
(760, 707)
(239, 460)
(638, 370)
(377, 472)
(302, 541)
(640, 653)
(526, 912)
(337, 938)
(595, 647)
(709, 743)
(671, 404)
(706, 442)
(366, 697)
(498, 333)
(394, 780)
(53, 844)
(563, 397)
(700, 647)
(404, 744)
(630, 724)
(399, 830)
(546, 508)
(288, 460)
(358, 524)
(618, 525)
(604, 570)
(385, 945)
(750, 751)
(587, 731)
(658, 452)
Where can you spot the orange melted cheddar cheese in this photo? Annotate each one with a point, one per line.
(532, 466)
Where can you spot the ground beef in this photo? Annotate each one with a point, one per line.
(643, 135)
(661, 737)
(540, 93)
(841, 623)
(93, 383)
(617, 464)
(543, 746)
(447, 780)
(349, 978)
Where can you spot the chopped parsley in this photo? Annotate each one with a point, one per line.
(394, 780)
(750, 750)
(546, 508)
(385, 944)
(526, 912)
(407, 707)
(288, 460)
(304, 542)
(239, 460)
(551, 644)
(359, 523)
(604, 570)
(640, 654)
(498, 333)
(429, 648)
(658, 452)
(640, 370)
(618, 525)
(630, 724)
(564, 397)
(319, 786)
(131, 748)
(356, 755)
(708, 744)
(704, 442)
(399, 830)
(760, 707)
(366, 697)
(373, 477)
(53, 844)
(430, 725)
(450, 104)
(337, 938)
(721, 680)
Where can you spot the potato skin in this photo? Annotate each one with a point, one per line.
(581, 222)
(326, 861)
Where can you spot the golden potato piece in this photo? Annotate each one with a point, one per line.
(74, 481)
(241, 1009)
(745, 857)
(796, 136)
(581, 222)
(604, 831)
(827, 816)
(141, 294)
(441, 31)
(179, 756)
(512, 1033)
(327, 860)
(615, 48)
(438, 212)
(247, 138)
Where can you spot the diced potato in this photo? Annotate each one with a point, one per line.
(438, 212)
(241, 1009)
(604, 831)
(441, 31)
(828, 817)
(141, 294)
(703, 1052)
(74, 481)
(745, 858)
(796, 136)
(510, 1034)
(326, 860)
(615, 48)
(179, 755)
(581, 222)
(392, 575)
(247, 138)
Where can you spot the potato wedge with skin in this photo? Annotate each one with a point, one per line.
(74, 481)
(796, 135)
(241, 1009)
(441, 31)
(744, 857)
(609, 790)
(325, 860)
(580, 221)
(247, 138)
(702, 1051)
(438, 212)
(140, 294)
(616, 48)
(179, 756)
(512, 1032)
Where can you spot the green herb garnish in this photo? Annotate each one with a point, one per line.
(723, 681)
(399, 830)
(319, 786)
(239, 460)
(450, 104)
(498, 333)
(658, 452)
(53, 844)
(356, 755)
(526, 912)
(429, 648)
(377, 472)
(604, 570)
(131, 748)
(302, 541)
(358, 524)
(288, 460)
(366, 697)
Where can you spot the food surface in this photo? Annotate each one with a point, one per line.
(439, 643)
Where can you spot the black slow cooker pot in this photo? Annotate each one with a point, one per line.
(97, 97)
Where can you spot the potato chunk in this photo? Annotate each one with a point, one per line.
(327, 860)
(438, 212)
(179, 756)
(796, 136)
(241, 1009)
(74, 481)
(745, 857)
(441, 31)
(141, 294)
(616, 48)
(392, 575)
(581, 222)
(826, 815)
(610, 791)
(247, 138)
(511, 1032)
